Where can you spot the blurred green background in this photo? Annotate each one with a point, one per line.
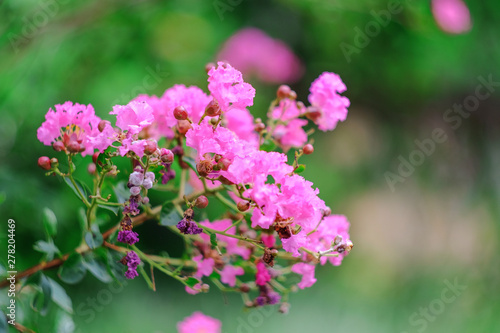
(441, 224)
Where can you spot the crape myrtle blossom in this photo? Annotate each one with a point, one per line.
(199, 323)
(191, 150)
(70, 128)
(253, 52)
(452, 16)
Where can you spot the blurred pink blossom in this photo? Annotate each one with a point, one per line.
(452, 16)
(270, 60)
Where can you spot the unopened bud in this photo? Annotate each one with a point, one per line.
(223, 164)
(150, 147)
(183, 126)
(180, 113)
(213, 109)
(214, 121)
(337, 240)
(244, 288)
(259, 127)
(283, 91)
(308, 149)
(327, 211)
(91, 168)
(243, 205)
(102, 125)
(225, 181)
(284, 308)
(209, 66)
(167, 156)
(54, 162)
(313, 113)
(95, 156)
(44, 162)
(204, 167)
(201, 202)
(73, 147)
(58, 146)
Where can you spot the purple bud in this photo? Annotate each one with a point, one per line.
(136, 178)
(135, 190)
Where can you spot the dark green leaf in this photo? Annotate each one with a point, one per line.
(82, 219)
(268, 145)
(114, 209)
(213, 240)
(300, 168)
(122, 192)
(3, 322)
(84, 189)
(94, 238)
(169, 215)
(98, 268)
(49, 222)
(191, 162)
(41, 301)
(73, 270)
(48, 248)
(60, 297)
(191, 281)
(64, 323)
(115, 268)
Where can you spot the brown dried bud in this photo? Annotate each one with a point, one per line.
(308, 149)
(102, 125)
(189, 214)
(243, 205)
(126, 223)
(225, 181)
(204, 167)
(269, 255)
(244, 288)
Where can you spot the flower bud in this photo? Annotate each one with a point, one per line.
(283, 91)
(209, 66)
(284, 308)
(223, 164)
(259, 127)
(180, 113)
(58, 146)
(205, 288)
(135, 190)
(313, 113)
(95, 156)
(44, 163)
(183, 126)
(243, 205)
(102, 125)
(204, 168)
(213, 109)
(54, 162)
(244, 288)
(150, 147)
(292, 95)
(308, 149)
(327, 211)
(214, 121)
(145, 200)
(73, 147)
(167, 156)
(91, 168)
(201, 202)
(225, 181)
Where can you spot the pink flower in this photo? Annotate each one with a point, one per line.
(133, 117)
(325, 96)
(229, 273)
(294, 243)
(232, 244)
(268, 239)
(452, 16)
(196, 289)
(129, 144)
(291, 134)
(253, 52)
(77, 122)
(307, 272)
(205, 266)
(192, 98)
(262, 277)
(104, 139)
(322, 239)
(227, 86)
(240, 121)
(199, 323)
(286, 110)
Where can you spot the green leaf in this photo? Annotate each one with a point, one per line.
(3, 322)
(191, 281)
(98, 268)
(169, 215)
(60, 297)
(122, 192)
(41, 301)
(213, 240)
(82, 219)
(73, 270)
(84, 189)
(64, 323)
(268, 145)
(114, 209)
(115, 267)
(48, 248)
(191, 162)
(94, 238)
(3, 271)
(300, 168)
(49, 222)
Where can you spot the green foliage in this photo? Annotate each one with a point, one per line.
(169, 215)
(73, 270)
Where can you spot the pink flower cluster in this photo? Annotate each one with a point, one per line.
(252, 51)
